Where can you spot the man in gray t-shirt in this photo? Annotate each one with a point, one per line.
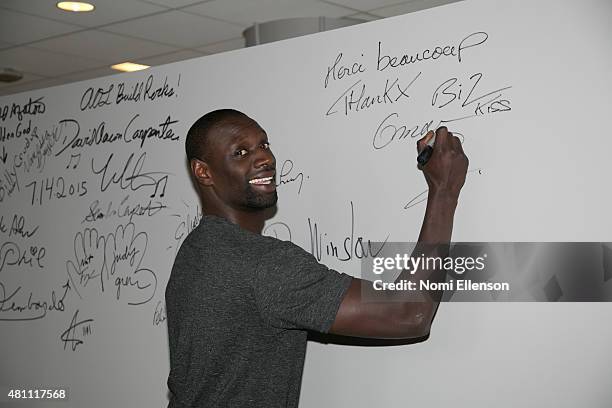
(239, 304)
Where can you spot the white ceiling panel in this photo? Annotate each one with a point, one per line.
(248, 12)
(19, 28)
(106, 11)
(173, 3)
(89, 74)
(105, 47)
(51, 46)
(168, 58)
(43, 62)
(366, 5)
(178, 29)
(229, 45)
(409, 7)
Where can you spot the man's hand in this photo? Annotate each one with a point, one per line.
(446, 169)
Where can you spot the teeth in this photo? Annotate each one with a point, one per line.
(263, 180)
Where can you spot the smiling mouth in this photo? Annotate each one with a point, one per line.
(262, 181)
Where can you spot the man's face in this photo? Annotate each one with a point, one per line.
(242, 165)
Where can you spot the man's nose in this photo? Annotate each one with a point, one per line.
(265, 158)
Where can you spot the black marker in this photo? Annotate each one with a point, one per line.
(426, 153)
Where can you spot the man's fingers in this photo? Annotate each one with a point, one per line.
(457, 144)
(422, 142)
(442, 138)
(454, 140)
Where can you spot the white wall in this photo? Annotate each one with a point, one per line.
(539, 173)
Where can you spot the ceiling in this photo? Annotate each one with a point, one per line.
(52, 47)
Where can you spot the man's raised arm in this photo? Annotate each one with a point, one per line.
(392, 314)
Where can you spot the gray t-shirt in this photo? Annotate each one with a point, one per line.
(238, 307)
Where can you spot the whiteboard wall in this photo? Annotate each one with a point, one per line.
(96, 199)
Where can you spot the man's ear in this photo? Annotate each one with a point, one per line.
(201, 172)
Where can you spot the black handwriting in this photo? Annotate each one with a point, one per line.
(9, 183)
(31, 108)
(70, 335)
(159, 315)
(123, 209)
(286, 177)
(338, 71)
(355, 101)
(278, 230)
(162, 132)
(130, 176)
(38, 308)
(387, 61)
(187, 223)
(20, 130)
(11, 254)
(18, 227)
(37, 147)
(115, 257)
(352, 246)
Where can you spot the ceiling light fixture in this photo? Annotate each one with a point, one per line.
(75, 6)
(129, 67)
(10, 75)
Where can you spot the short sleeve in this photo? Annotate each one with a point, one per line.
(294, 291)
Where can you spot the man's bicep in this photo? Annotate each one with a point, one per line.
(382, 317)
(298, 293)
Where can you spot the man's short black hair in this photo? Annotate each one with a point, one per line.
(197, 136)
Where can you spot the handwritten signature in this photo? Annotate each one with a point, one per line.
(73, 337)
(38, 308)
(130, 176)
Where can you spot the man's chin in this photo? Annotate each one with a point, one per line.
(262, 201)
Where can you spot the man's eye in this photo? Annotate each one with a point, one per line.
(266, 145)
(240, 152)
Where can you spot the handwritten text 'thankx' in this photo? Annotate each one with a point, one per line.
(355, 98)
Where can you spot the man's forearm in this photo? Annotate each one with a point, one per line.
(437, 225)
(434, 242)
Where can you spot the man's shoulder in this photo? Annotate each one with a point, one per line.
(217, 236)
(225, 232)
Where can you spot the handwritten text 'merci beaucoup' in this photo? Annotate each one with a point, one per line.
(385, 60)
